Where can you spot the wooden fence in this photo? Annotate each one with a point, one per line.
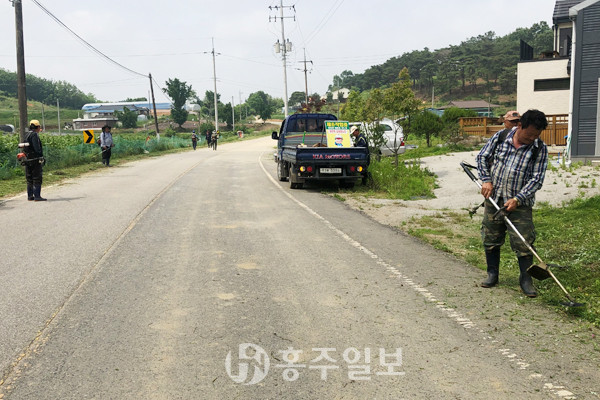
(554, 135)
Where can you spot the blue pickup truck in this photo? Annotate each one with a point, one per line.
(302, 154)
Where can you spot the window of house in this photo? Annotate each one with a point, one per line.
(540, 85)
(564, 41)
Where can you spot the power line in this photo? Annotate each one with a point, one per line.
(88, 45)
(323, 22)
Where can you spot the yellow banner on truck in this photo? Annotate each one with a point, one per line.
(338, 134)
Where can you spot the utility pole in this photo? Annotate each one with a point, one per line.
(58, 111)
(241, 107)
(154, 105)
(305, 78)
(232, 114)
(284, 47)
(215, 83)
(21, 86)
(44, 119)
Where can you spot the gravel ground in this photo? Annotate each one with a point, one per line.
(456, 191)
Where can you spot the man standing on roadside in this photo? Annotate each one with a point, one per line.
(106, 141)
(34, 161)
(511, 119)
(512, 166)
(194, 139)
(208, 137)
(361, 141)
(359, 138)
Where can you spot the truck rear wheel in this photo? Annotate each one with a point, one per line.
(294, 185)
(281, 172)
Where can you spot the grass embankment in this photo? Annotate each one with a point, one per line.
(567, 235)
(67, 157)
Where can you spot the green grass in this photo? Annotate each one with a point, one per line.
(68, 157)
(567, 235)
(9, 113)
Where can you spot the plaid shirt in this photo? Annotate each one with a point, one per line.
(512, 171)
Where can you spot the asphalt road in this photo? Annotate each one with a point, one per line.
(198, 276)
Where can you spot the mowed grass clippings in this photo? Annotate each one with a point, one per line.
(566, 235)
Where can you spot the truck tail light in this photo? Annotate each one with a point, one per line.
(360, 169)
(352, 168)
(309, 169)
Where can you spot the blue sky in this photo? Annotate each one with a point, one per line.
(172, 39)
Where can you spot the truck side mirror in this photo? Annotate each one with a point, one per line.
(274, 136)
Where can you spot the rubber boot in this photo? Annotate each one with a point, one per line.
(524, 278)
(492, 258)
(30, 192)
(37, 196)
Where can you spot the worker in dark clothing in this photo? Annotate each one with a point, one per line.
(34, 161)
(208, 137)
(360, 140)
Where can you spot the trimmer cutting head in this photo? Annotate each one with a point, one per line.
(539, 271)
(572, 303)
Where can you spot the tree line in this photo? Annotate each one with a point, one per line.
(258, 103)
(45, 91)
(482, 64)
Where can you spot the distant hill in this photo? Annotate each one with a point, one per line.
(9, 112)
(480, 67)
(45, 91)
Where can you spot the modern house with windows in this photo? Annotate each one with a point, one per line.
(567, 80)
(544, 83)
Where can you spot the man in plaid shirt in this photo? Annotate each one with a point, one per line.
(511, 172)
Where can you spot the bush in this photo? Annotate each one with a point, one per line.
(205, 126)
(405, 182)
(452, 114)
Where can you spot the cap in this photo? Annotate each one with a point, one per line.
(512, 115)
(354, 128)
(34, 122)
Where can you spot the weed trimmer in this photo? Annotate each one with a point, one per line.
(539, 271)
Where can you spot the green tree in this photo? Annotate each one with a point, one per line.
(137, 99)
(400, 103)
(128, 118)
(226, 114)
(179, 92)
(262, 104)
(373, 113)
(427, 124)
(353, 110)
(297, 98)
(453, 114)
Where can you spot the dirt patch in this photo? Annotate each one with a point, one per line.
(456, 192)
